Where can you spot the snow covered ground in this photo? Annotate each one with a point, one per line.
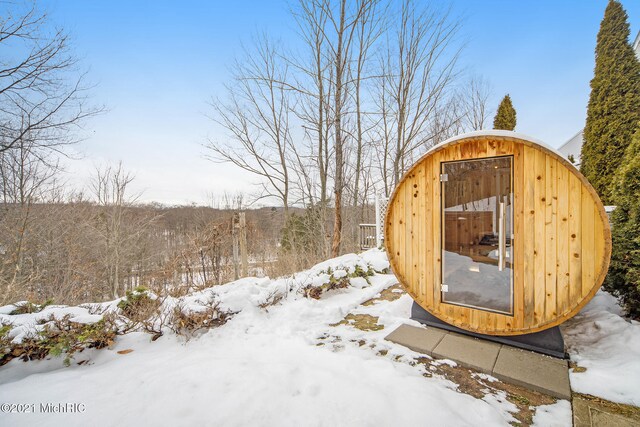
(607, 345)
(291, 363)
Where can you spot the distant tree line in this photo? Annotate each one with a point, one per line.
(72, 249)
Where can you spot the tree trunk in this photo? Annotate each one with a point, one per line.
(339, 149)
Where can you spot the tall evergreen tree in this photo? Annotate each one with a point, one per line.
(614, 104)
(506, 115)
(623, 279)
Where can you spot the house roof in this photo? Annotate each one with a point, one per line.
(573, 146)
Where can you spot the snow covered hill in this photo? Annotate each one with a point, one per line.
(303, 350)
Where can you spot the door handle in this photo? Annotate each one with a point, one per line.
(502, 242)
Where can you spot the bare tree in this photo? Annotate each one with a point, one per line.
(256, 117)
(43, 100)
(314, 88)
(354, 110)
(368, 30)
(383, 142)
(109, 188)
(475, 99)
(340, 54)
(42, 96)
(339, 33)
(420, 67)
(118, 229)
(338, 36)
(25, 179)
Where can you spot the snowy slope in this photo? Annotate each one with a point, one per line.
(288, 364)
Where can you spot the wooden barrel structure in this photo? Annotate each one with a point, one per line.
(495, 233)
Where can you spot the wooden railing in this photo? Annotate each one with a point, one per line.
(367, 236)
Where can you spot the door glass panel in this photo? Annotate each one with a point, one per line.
(477, 232)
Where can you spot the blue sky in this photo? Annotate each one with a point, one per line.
(156, 64)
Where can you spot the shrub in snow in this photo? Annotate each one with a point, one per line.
(27, 307)
(58, 337)
(143, 311)
(186, 321)
(138, 305)
(5, 341)
(339, 278)
(360, 272)
(273, 297)
(315, 292)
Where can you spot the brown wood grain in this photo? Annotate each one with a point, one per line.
(561, 246)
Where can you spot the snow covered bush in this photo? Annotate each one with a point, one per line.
(26, 307)
(58, 337)
(138, 305)
(342, 272)
(273, 297)
(5, 341)
(339, 280)
(143, 310)
(187, 320)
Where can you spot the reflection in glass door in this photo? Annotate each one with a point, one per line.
(477, 233)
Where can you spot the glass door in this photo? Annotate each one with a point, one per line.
(477, 233)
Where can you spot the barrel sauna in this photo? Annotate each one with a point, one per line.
(495, 233)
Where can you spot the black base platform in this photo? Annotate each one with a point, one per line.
(547, 342)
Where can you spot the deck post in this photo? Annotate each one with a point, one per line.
(378, 222)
